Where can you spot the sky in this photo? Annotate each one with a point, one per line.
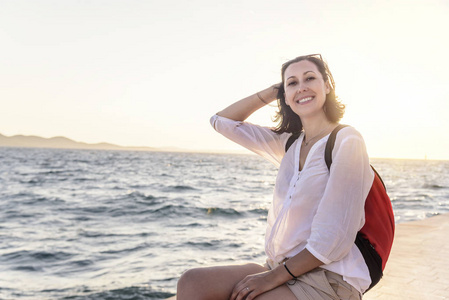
(152, 73)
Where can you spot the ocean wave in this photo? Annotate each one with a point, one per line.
(83, 179)
(171, 209)
(191, 225)
(21, 216)
(434, 186)
(184, 211)
(142, 197)
(259, 211)
(179, 188)
(128, 249)
(226, 212)
(82, 263)
(94, 210)
(203, 245)
(166, 175)
(33, 181)
(98, 234)
(23, 194)
(36, 200)
(24, 255)
(28, 268)
(55, 172)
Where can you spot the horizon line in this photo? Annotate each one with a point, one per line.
(110, 146)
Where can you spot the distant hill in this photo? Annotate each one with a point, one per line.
(60, 142)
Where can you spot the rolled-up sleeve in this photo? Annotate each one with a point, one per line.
(340, 214)
(258, 139)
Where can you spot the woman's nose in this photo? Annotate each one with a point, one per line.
(302, 87)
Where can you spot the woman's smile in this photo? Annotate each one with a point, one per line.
(305, 100)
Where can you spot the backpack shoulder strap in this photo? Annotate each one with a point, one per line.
(379, 177)
(330, 145)
(291, 140)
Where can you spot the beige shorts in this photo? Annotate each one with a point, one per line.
(321, 284)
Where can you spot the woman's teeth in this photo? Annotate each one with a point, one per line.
(305, 100)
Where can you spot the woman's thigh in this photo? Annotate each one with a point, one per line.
(213, 282)
(281, 292)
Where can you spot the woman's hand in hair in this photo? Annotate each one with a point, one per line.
(242, 109)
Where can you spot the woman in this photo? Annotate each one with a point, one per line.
(316, 212)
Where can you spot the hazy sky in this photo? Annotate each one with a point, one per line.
(151, 73)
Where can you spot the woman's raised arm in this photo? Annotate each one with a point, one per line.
(242, 109)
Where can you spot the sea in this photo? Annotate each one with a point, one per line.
(98, 224)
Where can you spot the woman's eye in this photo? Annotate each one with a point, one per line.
(310, 78)
(291, 83)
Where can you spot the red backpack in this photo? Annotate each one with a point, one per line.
(375, 239)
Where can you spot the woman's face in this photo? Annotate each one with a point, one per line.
(305, 89)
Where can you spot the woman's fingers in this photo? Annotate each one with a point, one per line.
(244, 290)
(251, 287)
(240, 290)
(247, 294)
(236, 291)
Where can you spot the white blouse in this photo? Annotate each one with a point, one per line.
(313, 209)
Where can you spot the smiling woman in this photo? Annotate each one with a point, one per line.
(316, 211)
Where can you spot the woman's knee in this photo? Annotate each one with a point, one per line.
(213, 282)
(190, 284)
(190, 277)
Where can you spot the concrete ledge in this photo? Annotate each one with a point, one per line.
(418, 267)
